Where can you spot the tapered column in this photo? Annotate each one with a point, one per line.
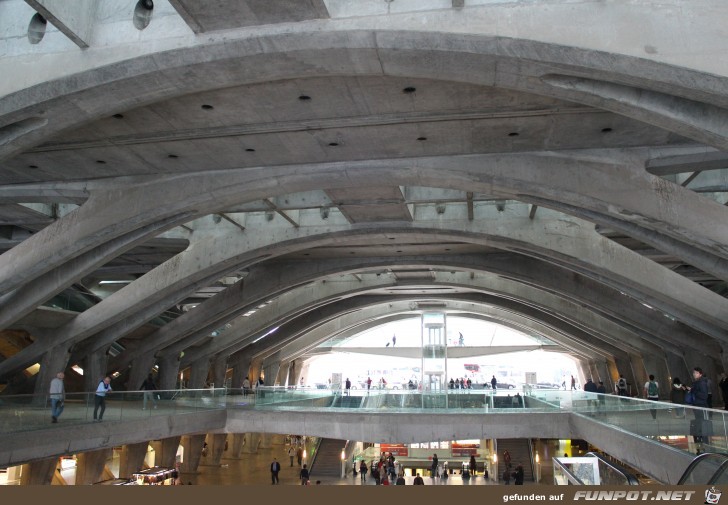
(94, 369)
(132, 459)
(39, 472)
(657, 366)
(238, 441)
(90, 466)
(240, 371)
(199, 371)
(218, 447)
(266, 441)
(251, 443)
(165, 451)
(141, 367)
(168, 370)
(678, 368)
(625, 368)
(270, 372)
(192, 445)
(218, 370)
(53, 361)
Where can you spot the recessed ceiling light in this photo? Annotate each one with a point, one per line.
(606, 130)
(118, 116)
(101, 162)
(303, 98)
(399, 251)
(250, 150)
(32, 166)
(513, 134)
(333, 144)
(409, 89)
(172, 156)
(421, 138)
(207, 107)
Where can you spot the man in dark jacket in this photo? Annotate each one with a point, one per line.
(699, 428)
(518, 476)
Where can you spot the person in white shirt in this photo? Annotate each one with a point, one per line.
(100, 398)
(57, 396)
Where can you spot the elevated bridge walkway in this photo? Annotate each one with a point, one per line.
(661, 446)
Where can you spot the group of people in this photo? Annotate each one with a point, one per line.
(516, 473)
(461, 383)
(57, 395)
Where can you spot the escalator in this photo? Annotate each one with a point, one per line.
(591, 470)
(707, 468)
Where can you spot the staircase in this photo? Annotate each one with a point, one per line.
(328, 459)
(520, 455)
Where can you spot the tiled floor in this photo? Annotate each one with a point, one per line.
(254, 469)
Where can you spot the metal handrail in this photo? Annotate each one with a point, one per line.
(629, 477)
(698, 460)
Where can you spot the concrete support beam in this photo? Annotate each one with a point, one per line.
(678, 368)
(192, 445)
(74, 19)
(132, 458)
(271, 369)
(165, 451)
(219, 371)
(38, 472)
(266, 441)
(199, 372)
(90, 466)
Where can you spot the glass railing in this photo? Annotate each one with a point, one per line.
(32, 412)
(680, 426)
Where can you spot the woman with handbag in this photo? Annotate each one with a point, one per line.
(677, 396)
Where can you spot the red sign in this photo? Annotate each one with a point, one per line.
(395, 449)
(464, 449)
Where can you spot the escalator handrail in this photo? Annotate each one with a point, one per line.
(573, 479)
(696, 461)
(630, 478)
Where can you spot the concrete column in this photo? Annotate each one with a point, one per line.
(168, 370)
(270, 370)
(141, 367)
(266, 441)
(219, 371)
(90, 466)
(39, 472)
(302, 368)
(94, 369)
(283, 371)
(53, 361)
(251, 443)
(292, 373)
(624, 367)
(218, 447)
(238, 441)
(255, 369)
(165, 451)
(603, 374)
(240, 371)
(198, 374)
(132, 459)
(192, 452)
(677, 367)
(278, 439)
(657, 365)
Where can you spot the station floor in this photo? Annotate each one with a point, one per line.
(253, 469)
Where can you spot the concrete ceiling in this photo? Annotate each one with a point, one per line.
(146, 182)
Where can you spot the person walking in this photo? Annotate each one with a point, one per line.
(348, 387)
(275, 467)
(394, 340)
(246, 387)
(493, 383)
(573, 383)
(291, 453)
(699, 427)
(651, 390)
(304, 475)
(433, 468)
(148, 386)
(677, 396)
(518, 476)
(103, 388)
(57, 396)
(363, 469)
